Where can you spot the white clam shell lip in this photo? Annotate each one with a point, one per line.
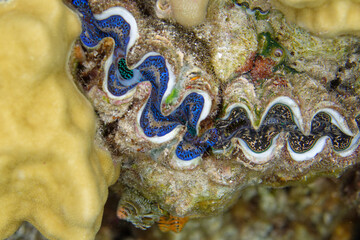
(262, 157)
(134, 34)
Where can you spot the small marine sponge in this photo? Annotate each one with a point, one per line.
(52, 175)
(325, 17)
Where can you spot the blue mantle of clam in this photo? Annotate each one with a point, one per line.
(120, 81)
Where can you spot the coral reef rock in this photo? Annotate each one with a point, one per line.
(194, 115)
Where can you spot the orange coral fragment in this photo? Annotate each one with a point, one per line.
(194, 78)
(172, 223)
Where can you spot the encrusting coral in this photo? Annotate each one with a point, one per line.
(52, 174)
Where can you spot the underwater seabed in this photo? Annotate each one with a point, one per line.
(237, 124)
(328, 209)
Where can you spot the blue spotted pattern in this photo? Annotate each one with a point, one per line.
(154, 70)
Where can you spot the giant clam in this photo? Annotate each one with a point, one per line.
(194, 115)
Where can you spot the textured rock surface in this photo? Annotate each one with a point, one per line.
(319, 210)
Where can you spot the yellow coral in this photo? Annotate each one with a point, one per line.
(325, 17)
(185, 12)
(51, 174)
(189, 12)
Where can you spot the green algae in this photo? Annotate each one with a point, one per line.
(269, 48)
(172, 96)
